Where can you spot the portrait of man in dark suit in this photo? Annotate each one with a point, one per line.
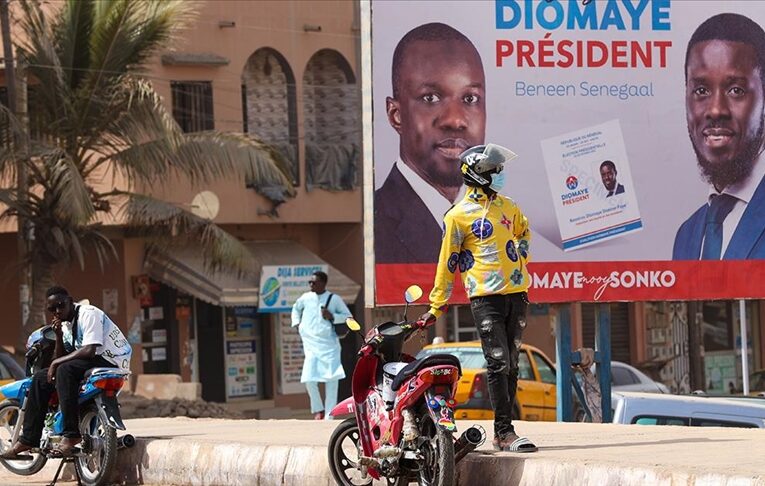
(438, 109)
(608, 176)
(724, 78)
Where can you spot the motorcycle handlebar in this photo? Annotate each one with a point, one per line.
(409, 327)
(32, 351)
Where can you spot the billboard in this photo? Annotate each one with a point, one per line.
(637, 185)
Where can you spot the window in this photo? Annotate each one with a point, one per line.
(717, 326)
(621, 376)
(470, 358)
(524, 367)
(193, 105)
(269, 104)
(331, 101)
(696, 422)
(659, 420)
(546, 372)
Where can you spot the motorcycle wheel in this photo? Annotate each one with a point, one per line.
(344, 452)
(9, 414)
(438, 467)
(97, 465)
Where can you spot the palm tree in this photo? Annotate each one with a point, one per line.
(94, 113)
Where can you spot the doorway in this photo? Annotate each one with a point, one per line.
(211, 357)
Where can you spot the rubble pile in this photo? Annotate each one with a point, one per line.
(136, 406)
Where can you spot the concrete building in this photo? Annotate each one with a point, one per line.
(286, 72)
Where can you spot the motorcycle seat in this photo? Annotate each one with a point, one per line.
(97, 370)
(433, 360)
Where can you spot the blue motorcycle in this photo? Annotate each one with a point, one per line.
(99, 418)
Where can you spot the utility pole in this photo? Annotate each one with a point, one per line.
(15, 105)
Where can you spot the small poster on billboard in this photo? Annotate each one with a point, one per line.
(591, 185)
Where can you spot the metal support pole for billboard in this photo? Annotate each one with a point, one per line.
(565, 405)
(603, 358)
(365, 20)
(696, 346)
(744, 345)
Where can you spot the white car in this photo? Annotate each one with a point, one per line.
(628, 378)
(687, 410)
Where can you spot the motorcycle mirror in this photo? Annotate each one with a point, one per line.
(412, 294)
(352, 324)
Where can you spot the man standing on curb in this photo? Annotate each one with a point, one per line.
(316, 313)
(486, 237)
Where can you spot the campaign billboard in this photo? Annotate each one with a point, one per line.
(638, 126)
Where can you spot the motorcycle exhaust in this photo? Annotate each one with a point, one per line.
(127, 441)
(468, 442)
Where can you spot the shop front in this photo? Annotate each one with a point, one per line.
(236, 340)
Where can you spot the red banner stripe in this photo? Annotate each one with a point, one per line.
(601, 281)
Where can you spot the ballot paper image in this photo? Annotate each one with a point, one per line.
(592, 188)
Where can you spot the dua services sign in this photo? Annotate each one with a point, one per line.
(282, 285)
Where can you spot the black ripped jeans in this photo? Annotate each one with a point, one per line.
(500, 320)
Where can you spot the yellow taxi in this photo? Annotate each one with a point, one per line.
(535, 399)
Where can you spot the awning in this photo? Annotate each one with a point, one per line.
(184, 270)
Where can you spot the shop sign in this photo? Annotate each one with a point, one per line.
(282, 285)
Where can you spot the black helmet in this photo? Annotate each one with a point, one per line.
(480, 162)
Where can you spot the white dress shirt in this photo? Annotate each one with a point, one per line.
(743, 192)
(434, 200)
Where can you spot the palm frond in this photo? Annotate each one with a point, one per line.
(9, 197)
(205, 156)
(126, 33)
(69, 190)
(59, 243)
(73, 30)
(170, 226)
(40, 52)
(11, 132)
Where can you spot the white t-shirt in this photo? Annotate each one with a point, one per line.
(95, 327)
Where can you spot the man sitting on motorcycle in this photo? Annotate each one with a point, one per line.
(97, 342)
(486, 237)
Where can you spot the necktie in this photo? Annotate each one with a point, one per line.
(718, 209)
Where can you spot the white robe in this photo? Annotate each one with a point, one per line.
(320, 343)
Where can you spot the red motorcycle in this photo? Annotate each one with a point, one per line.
(403, 429)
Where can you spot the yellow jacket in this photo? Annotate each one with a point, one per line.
(487, 239)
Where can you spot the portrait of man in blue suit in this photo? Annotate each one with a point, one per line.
(724, 78)
(438, 109)
(608, 176)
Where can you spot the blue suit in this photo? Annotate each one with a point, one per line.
(619, 190)
(747, 242)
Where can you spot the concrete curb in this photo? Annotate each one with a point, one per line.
(508, 468)
(192, 462)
